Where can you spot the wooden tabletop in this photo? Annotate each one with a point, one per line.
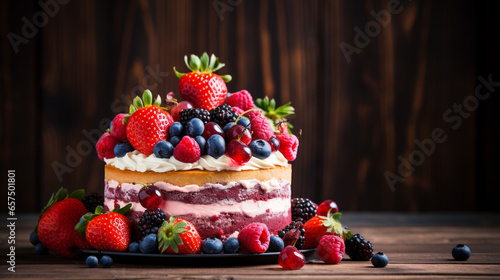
(418, 246)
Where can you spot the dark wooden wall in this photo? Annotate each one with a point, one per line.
(92, 57)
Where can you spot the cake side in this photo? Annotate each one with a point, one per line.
(218, 204)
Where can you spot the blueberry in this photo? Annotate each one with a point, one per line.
(228, 126)
(380, 260)
(175, 140)
(92, 261)
(41, 249)
(163, 149)
(202, 143)
(244, 121)
(106, 261)
(211, 245)
(34, 238)
(176, 129)
(276, 244)
(195, 127)
(216, 146)
(133, 247)
(260, 149)
(122, 148)
(148, 244)
(231, 246)
(461, 252)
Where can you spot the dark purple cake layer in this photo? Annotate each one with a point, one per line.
(209, 194)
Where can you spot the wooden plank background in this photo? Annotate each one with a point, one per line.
(92, 57)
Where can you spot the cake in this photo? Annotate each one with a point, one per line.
(217, 160)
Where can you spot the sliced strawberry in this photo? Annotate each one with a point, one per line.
(202, 87)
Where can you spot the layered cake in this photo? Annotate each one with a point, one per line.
(218, 160)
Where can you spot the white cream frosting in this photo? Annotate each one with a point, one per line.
(135, 161)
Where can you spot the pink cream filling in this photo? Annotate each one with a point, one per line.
(249, 208)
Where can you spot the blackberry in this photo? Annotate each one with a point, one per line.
(294, 225)
(358, 248)
(303, 209)
(223, 115)
(151, 221)
(187, 114)
(91, 201)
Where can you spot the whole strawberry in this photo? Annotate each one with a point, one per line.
(147, 123)
(178, 236)
(109, 231)
(57, 222)
(202, 87)
(318, 226)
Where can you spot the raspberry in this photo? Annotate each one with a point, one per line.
(261, 127)
(188, 114)
(358, 248)
(105, 146)
(238, 110)
(331, 249)
(254, 238)
(91, 201)
(118, 129)
(288, 145)
(151, 220)
(187, 150)
(303, 209)
(242, 99)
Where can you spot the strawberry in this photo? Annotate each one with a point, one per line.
(242, 99)
(318, 226)
(109, 231)
(202, 87)
(105, 146)
(178, 236)
(147, 123)
(56, 225)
